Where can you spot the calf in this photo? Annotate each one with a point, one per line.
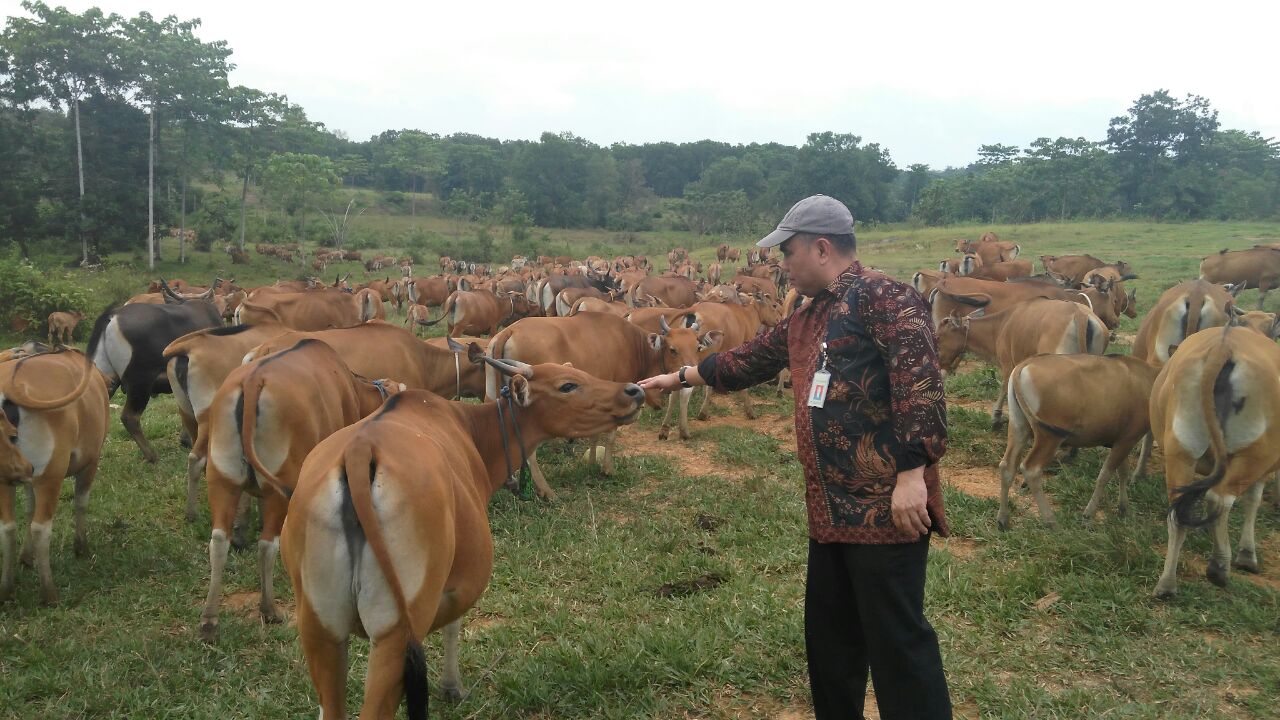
(1215, 407)
(388, 536)
(62, 325)
(1077, 401)
(264, 420)
(53, 425)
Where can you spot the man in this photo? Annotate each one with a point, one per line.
(869, 436)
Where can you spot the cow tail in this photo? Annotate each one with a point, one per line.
(99, 328)
(562, 308)
(250, 390)
(359, 462)
(1214, 380)
(1195, 301)
(496, 350)
(1083, 326)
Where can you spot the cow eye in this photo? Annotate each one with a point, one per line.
(568, 387)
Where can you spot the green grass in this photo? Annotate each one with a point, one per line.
(652, 594)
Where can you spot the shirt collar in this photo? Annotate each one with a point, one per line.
(842, 282)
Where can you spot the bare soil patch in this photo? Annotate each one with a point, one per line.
(960, 548)
(697, 461)
(245, 603)
(980, 482)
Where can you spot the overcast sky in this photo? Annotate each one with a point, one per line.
(928, 81)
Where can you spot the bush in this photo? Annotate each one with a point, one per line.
(27, 296)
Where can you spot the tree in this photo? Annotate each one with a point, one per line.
(173, 70)
(417, 155)
(1159, 153)
(298, 182)
(917, 177)
(252, 114)
(61, 58)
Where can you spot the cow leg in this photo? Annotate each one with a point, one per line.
(665, 429)
(195, 470)
(240, 528)
(8, 538)
(997, 410)
(1042, 452)
(84, 482)
(1019, 433)
(704, 411)
(28, 557)
(384, 681)
(1110, 466)
(1144, 456)
(273, 511)
(1275, 490)
(1179, 471)
(42, 530)
(606, 463)
(685, 394)
(223, 496)
(1247, 556)
(746, 404)
(326, 661)
(1263, 288)
(1220, 558)
(451, 679)
(137, 395)
(539, 480)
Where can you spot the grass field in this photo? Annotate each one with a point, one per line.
(674, 588)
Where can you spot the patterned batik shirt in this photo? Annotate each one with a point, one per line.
(885, 411)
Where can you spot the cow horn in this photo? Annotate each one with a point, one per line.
(208, 294)
(509, 367)
(662, 322)
(164, 288)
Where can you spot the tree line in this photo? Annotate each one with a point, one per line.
(117, 128)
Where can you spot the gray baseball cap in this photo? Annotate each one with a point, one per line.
(817, 214)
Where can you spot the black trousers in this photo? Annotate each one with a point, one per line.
(864, 610)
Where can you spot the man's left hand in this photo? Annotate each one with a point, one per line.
(910, 514)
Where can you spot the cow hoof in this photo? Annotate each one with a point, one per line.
(1164, 593)
(209, 631)
(81, 548)
(27, 559)
(1246, 561)
(702, 416)
(6, 593)
(1122, 511)
(271, 616)
(663, 433)
(1216, 573)
(192, 516)
(453, 694)
(150, 457)
(1003, 524)
(48, 597)
(184, 440)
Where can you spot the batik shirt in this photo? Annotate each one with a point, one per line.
(885, 411)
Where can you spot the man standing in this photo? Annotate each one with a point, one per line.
(870, 429)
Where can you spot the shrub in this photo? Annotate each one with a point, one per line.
(27, 296)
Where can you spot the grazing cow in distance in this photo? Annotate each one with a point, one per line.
(62, 326)
(1257, 267)
(53, 426)
(265, 418)
(388, 535)
(1078, 401)
(1215, 409)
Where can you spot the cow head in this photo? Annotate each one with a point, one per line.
(682, 345)
(953, 338)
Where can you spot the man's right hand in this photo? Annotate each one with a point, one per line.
(669, 381)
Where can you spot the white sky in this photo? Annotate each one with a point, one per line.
(930, 81)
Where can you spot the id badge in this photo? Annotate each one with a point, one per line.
(818, 390)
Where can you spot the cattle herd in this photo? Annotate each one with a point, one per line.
(373, 478)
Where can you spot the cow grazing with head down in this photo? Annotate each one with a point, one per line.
(1215, 409)
(127, 345)
(265, 418)
(53, 426)
(1079, 401)
(1257, 267)
(388, 536)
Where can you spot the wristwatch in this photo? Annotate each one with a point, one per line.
(683, 383)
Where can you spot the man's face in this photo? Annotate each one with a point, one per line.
(803, 261)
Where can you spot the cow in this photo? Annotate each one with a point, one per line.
(567, 298)
(263, 421)
(53, 425)
(601, 344)
(195, 365)
(1010, 336)
(476, 312)
(660, 322)
(430, 291)
(1215, 407)
(548, 289)
(314, 310)
(752, 285)
(1000, 271)
(1181, 311)
(924, 281)
(371, 307)
(419, 316)
(62, 326)
(1078, 401)
(1257, 267)
(591, 304)
(963, 265)
(127, 345)
(672, 292)
(991, 252)
(1075, 267)
(388, 535)
(736, 324)
(714, 272)
(961, 296)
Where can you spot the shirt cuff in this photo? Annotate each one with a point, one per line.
(707, 370)
(910, 457)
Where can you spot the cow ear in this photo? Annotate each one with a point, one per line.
(520, 390)
(655, 341)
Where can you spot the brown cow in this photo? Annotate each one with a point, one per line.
(429, 291)
(1008, 337)
(961, 296)
(371, 307)
(1076, 267)
(414, 480)
(1215, 407)
(62, 325)
(660, 322)
(1181, 311)
(590, 304)
(737, 324)
(315, 310)
(1078, 401)
(479, 312)
(990, 252)
(53, 425)
(1000, 271)
(672, 292)
(604, 345)
(265, 418)
(1257, 267)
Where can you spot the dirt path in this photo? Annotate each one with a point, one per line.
(694, 459)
